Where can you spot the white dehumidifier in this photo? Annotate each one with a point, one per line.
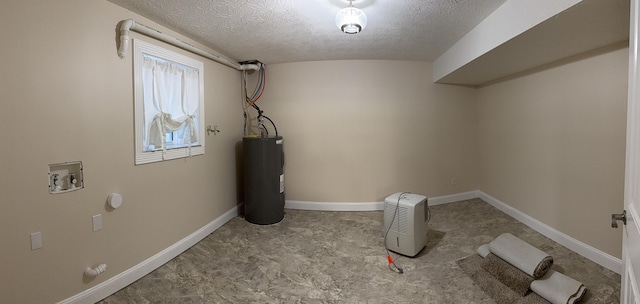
(406, 222)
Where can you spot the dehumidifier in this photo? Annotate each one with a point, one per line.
(406, 222)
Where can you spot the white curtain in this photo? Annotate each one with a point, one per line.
(171, 94)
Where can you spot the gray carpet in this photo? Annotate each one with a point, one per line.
(338, 257)
(506, 273)
(492, 286)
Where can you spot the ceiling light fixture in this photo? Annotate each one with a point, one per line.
(351, 20)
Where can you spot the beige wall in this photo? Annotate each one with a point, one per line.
(67, 96)
(357, 131)
(552, 145)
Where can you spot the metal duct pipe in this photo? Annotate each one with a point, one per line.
(131, 25)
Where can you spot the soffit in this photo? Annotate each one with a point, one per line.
(586, 26)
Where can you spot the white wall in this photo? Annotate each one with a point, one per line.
(67, 96)
(552, 144)
(357, 131)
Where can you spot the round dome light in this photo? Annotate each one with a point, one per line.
(351, 20)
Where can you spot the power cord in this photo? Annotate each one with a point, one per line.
(392, 264)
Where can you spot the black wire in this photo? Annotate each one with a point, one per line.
(274, 125)
(253, 105)
(245, 123)
(264, 128)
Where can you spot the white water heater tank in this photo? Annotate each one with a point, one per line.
(406, 222)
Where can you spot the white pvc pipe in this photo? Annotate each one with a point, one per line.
(131, 25)
(94, 272)
(125, 27)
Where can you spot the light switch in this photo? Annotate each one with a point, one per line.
(36, 240)
(97, 222)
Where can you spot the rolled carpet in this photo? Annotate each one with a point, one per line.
(483, 250)
(500, 293)
(506, 273)
(558, 288)
(522, 255)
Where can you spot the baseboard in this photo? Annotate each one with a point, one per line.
(110, 286)
(371, 206)
(445, 199)
(602, 258)
(333, 206)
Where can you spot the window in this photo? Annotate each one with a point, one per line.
(169, 104)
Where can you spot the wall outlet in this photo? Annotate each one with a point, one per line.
(36, 240)
(97, 222)
(454, 181)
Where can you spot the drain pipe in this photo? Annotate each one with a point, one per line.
(94, 272)
(131, 25)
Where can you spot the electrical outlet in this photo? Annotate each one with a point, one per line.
(97, 222)
(36, 240)
(454, 181)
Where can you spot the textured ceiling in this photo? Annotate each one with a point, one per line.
(276, 31)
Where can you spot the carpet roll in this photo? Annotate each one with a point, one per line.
(578, 296)
(508, 274)
(500, 293)
(558, 288)
(483, 250)
(520, 254)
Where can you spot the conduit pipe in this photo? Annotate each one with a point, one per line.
(132, 25)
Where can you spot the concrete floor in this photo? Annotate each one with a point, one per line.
(338, 257)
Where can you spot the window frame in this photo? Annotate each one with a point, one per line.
(140, 48)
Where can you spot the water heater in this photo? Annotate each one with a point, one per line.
(263, 162)
(406, 219)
